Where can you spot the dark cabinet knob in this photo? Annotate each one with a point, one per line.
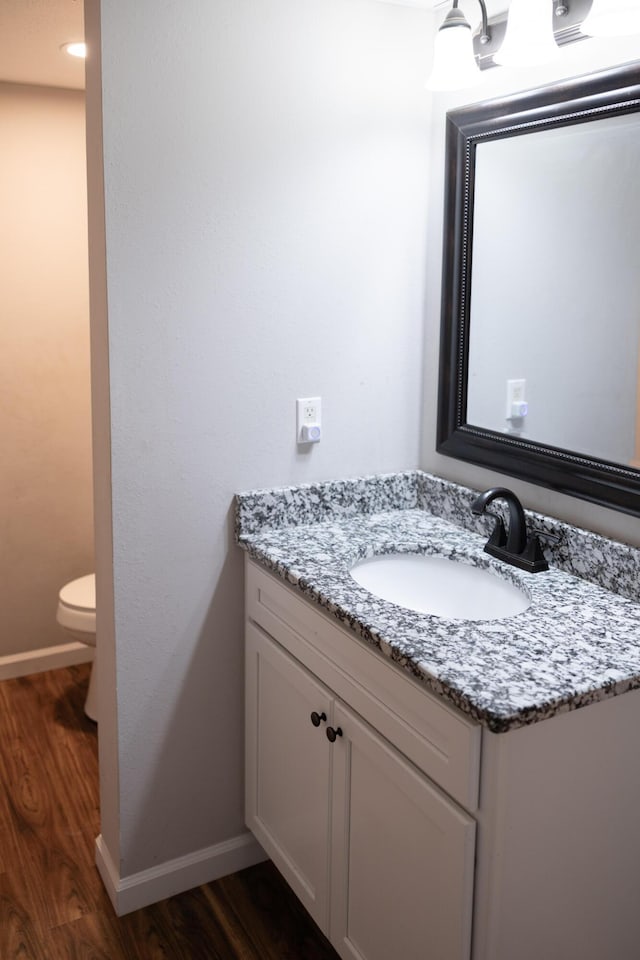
(318, 718)
(333, 733)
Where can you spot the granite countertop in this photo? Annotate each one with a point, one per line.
(576, 643)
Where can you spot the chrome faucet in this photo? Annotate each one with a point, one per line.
(513, 546)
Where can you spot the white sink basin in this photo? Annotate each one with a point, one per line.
(439, 586)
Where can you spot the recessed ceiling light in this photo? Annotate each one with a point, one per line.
(75, 49)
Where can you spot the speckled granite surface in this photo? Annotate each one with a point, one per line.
(576, 643)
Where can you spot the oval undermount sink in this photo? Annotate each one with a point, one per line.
(439, 586)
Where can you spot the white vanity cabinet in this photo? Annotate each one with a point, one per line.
(377, 832)
(380, 855)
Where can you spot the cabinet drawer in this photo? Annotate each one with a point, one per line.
(436, 737)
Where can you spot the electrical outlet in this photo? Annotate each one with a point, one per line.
(308, 420)
(516, 396)
(310, 410)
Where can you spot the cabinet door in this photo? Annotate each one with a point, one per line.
(402, 855)
(287, 769)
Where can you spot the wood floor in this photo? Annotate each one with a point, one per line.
(52, 902)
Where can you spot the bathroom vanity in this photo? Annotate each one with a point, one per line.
(429, 787)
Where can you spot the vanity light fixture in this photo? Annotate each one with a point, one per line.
(530, 33)
(75, 49)
(529, 39)
(454, 62)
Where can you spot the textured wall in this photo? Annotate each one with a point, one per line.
(265, 190)
(46, 535)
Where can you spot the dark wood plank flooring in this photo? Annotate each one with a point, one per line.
(52, 902)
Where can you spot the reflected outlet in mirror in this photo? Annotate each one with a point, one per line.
(439, 586)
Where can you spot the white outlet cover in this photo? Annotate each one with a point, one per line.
(308, 414)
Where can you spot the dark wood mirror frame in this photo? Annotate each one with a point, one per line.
(569, 102)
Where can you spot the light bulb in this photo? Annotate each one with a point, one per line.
(454, 62)
(529, 38)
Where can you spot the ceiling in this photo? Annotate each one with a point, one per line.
(31, 34)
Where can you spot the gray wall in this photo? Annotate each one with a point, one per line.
(265, 199)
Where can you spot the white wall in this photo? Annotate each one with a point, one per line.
(46, 520)
(580, 58)
(265, 168)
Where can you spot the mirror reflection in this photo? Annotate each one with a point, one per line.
(540, 347)
(554, 331)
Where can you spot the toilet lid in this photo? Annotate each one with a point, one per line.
(80, 594)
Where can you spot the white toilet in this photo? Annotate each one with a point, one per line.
(77, 614)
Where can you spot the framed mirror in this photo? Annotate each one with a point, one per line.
(540, 344)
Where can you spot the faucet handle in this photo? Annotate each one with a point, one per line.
(544, 535)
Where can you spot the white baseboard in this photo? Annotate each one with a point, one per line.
(175, 876)
(46, 658)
